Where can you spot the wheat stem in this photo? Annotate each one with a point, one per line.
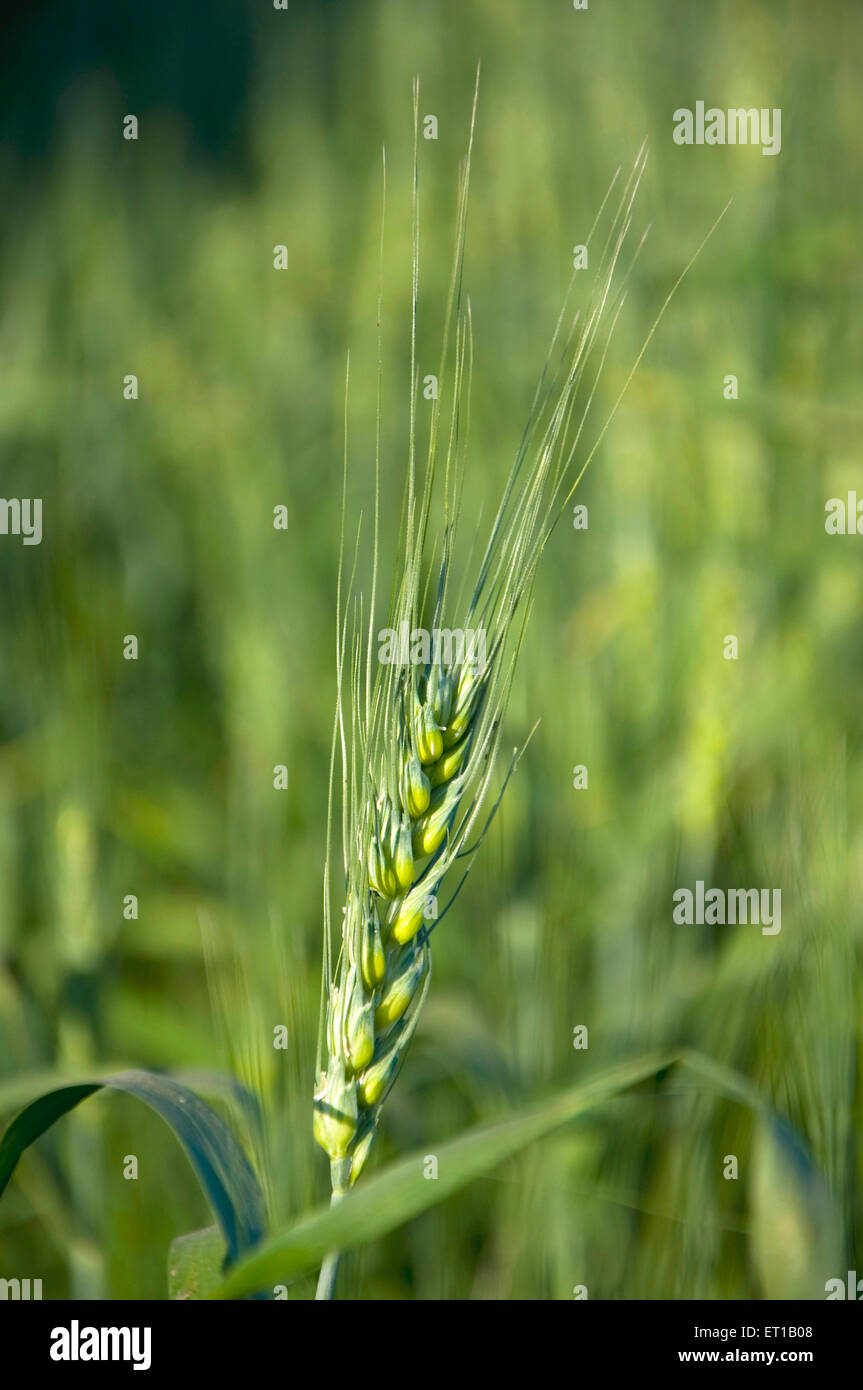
(326, 1289)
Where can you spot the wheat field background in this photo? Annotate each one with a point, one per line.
(154, 777)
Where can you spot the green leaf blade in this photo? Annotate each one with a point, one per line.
(195, 1264)
(796, 1236)
(401, 1191)
(219, 1162)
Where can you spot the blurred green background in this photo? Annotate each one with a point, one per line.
(706, 517)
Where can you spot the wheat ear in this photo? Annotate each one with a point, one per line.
(420, 737)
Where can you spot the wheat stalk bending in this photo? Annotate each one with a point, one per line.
(418, 736)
